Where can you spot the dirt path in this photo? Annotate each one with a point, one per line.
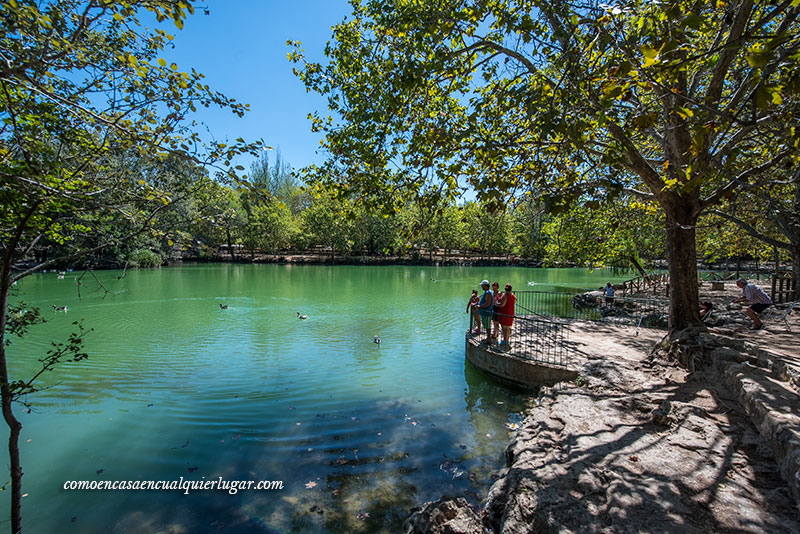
(640, 445)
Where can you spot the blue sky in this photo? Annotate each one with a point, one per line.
(241, 49)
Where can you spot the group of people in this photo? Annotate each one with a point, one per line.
(492, 312)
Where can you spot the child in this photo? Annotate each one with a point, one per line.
(472, 310)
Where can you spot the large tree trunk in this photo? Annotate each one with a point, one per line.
(15, 467)
(796, 265)
(682, 255)
(794, 240)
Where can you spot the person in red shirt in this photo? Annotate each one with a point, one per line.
(506, 314)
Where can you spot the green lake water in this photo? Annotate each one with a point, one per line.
(358, 433)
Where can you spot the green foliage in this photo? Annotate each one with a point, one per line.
(600, 234)
(95, 131)
(19, 320)
(687, 103)
(144, 258)
(69, 351)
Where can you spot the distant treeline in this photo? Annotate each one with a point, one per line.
(274, 213)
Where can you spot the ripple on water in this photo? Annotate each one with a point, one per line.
(174, 386)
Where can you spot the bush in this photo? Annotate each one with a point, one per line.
(144, 258)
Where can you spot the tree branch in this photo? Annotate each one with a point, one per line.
(751, 230)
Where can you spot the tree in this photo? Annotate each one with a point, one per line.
(325, 222)
(278, 180)
(488, 230)
(770, 213)
(221, 216)
(682, 102)
(619, 233)
(269, 226)
(528, 220)
(82, 87)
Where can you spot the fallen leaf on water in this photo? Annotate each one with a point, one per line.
(151, 404)
(192, 469)
(25, 494)
(74, 518)
(28, 441)
(99, 471)
(310, 484)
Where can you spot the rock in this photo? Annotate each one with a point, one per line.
(649, 447)
(448, 515)
(586, 300)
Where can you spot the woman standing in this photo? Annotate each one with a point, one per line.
(506, 314)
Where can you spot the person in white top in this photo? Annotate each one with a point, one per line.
(759, 301)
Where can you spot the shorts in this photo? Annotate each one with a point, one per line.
(486, 321)
(758, 307)
(495, 317)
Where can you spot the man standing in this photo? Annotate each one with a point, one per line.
(485, 310)
(759, 301)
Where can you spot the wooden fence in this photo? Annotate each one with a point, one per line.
(784, 289)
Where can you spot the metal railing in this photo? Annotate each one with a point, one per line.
(648, 312)
(539, 340)
(535, 339)
(539, 334)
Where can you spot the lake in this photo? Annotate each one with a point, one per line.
(175, 388)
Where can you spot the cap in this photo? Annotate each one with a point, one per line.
(508, 287)
(485, 283)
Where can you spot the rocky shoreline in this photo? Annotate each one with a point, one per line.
(639, 443)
